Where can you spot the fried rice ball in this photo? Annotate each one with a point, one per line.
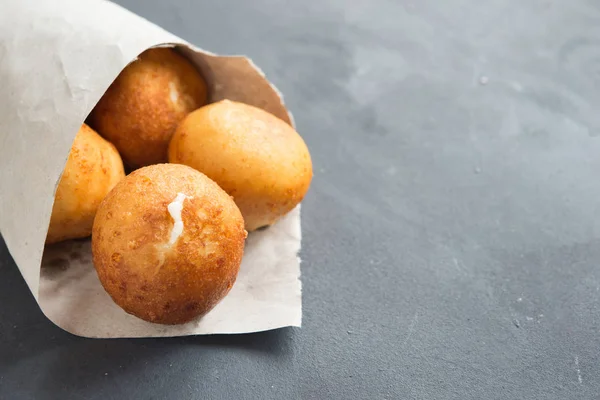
(167, 243)
(93, 168)
(142, 107)
(260, 160)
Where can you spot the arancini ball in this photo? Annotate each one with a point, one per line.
(93, 168)
(260, 160)
(142, 107)
(167, 243)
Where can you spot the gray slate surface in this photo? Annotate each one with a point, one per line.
(451, 236)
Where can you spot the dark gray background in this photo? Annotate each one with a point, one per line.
(451, 235)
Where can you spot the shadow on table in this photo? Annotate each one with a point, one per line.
(29, 338)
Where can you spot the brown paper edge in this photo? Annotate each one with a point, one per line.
(235, 78)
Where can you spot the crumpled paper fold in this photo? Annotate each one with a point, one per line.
(57, 58)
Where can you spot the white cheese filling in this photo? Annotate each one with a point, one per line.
(173, 93)
(175, 208)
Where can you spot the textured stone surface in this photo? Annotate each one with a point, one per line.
(451, 236)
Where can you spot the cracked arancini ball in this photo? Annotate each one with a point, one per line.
(142, 107)
(167, 243)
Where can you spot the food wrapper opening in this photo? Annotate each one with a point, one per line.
(57, 58)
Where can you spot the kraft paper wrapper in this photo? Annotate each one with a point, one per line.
(57, 58)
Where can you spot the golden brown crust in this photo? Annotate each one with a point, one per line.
(142, 107)
(93, 168)
(254, 156)
(147, 277)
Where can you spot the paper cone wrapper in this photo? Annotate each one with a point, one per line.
(57, 58)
